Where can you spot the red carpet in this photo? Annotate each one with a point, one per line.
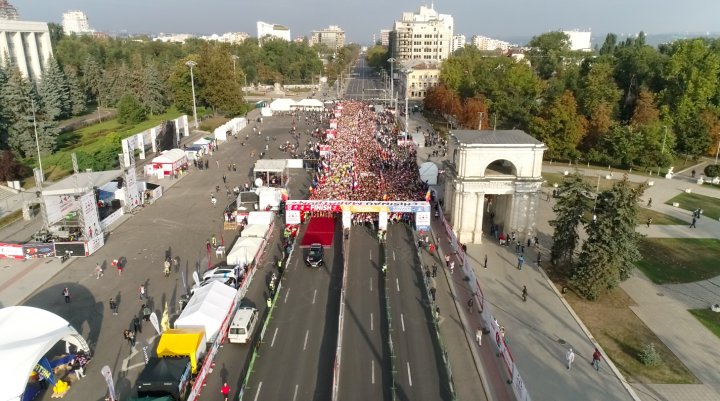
(320, 230)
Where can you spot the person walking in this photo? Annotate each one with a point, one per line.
(521, 260)
(98, 271)
(648, 222)
(694, 220)
(452, 267)
(131, 338)
(470, 304)
(137, 327)
(66, 295)
(225, 391)
(524, 293)
(141, 291)
(570, 358)
(478, 336)
(113, 306)
(126, 335)
(485, 263)
(432, 293)
(649, 202)
(596, 356)
(447, 260)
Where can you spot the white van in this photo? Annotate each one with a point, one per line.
(243, 325)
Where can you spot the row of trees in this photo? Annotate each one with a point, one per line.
(629, 104)
(608, 254)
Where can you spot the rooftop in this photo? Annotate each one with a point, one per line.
(496, 137)
(85, 181)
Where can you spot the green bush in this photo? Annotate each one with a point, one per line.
(712, 170)
(130, 110)
(649, 356)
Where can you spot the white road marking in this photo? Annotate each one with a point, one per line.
(307, 333)
(393, 254)
(409, 375)
(372, 374)
(371, 254)
(371, 321)
(314, 295)
(402, 321)
(397, 283)
(371, 287)
(257, 393)
(275, 334)
(287, 292)
(295, 393)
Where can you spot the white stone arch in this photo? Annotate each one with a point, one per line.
(500, 167)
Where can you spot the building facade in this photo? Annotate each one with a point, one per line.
(332, 36)
(76, 22)
(273, 30)
(458, 42)
(385, 37)
(580, 40)
(489, 44)
(493, 173)
(27, 45)
(417, 77)
(426, 35)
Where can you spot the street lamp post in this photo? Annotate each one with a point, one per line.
(391, 60)
(37, 141)
(717, 152)
(192, 64)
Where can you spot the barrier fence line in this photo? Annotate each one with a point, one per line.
(341, 318)
(496, 330)
(388, 317)
(266, 322)
(438, 336)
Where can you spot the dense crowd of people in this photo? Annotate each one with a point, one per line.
(366, 163)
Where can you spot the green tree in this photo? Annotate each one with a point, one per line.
(54, 92)
(214, 77)
(4, 114)
(609, 45)
(548, 53)
(572, 203)
(17, 102)
(180, 85)
(560, 127)
(56, 33)
(154, 91)
(92, 79)
(130, 110)
(598, 87)
(78, 99)
(609, 254)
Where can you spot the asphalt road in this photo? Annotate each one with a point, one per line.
(178, 224)
(296, 358)
(420, 374)
(365, 83)
(365, 372)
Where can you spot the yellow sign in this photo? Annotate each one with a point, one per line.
(365, 208)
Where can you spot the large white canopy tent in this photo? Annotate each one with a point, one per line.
(27, 335)
(310, 104)
(208, 308)
(244, 251)
(255, 231)
(282, 104)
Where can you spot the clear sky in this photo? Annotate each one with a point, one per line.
(361, 18)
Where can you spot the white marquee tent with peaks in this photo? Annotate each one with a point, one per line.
(27, 335)
(208, 308)
(282, 104)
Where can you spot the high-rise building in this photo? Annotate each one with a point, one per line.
(458, 42)
(426, 35)
(76, 22)
(23, 43)
(580, 40)
(385, 37)
(489, 44)
(7, 11)
(274, 30)
(332, 36)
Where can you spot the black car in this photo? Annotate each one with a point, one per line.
(315, 256)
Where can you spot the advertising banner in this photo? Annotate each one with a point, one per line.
(92, 231)
(346, 219)
(107, 374)
(292, 217)
(57, 206)
(382, 220)
(38, 250)
(357, 206)
(11, 251)
(132, 195)
(422, 220)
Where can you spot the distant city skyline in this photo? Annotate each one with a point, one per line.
(362, 19)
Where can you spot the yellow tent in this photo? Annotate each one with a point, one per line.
(183, 342)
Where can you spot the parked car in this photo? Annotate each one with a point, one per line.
(224, 272)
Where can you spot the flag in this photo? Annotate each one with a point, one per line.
(45, 371)
(428, 196)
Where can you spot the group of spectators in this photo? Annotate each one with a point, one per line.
(366, 163)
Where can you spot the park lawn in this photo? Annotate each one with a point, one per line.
(622, 335)
(692, 201)
(679, 260)
(658, 218)
(708, 318)
(605, 184)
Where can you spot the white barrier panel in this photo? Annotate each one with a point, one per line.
(294, 163)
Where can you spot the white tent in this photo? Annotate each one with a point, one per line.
(282, 104)
(244, 251)
(168, 162)
(255, 230)
(260, 217)
(27, 335)
(208, 308)
(429, 173)
(310, 104)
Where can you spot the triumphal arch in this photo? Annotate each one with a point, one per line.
(492, 173)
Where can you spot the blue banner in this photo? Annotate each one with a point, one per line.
(44, 370)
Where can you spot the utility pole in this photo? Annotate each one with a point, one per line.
(392, 88)
(407, 127)
(482, 114)
(192, 64)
